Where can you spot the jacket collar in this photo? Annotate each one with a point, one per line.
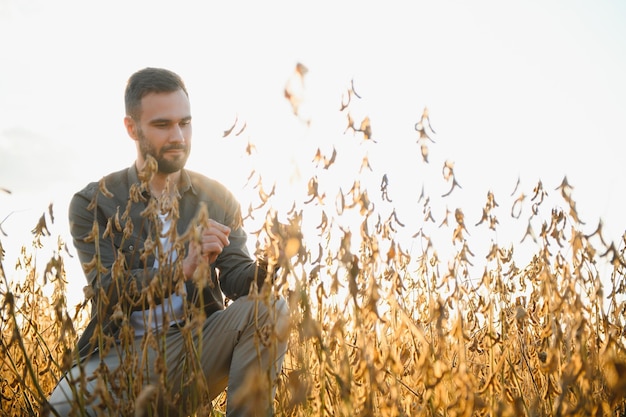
(184, 183)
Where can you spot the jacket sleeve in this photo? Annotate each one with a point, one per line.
(237, 269)
(110, 261)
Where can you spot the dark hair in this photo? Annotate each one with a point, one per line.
(149, 80)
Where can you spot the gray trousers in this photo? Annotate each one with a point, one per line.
(180, 371)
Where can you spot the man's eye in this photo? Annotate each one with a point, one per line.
(185, 122)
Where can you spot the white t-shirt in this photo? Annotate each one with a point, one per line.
(172, 306)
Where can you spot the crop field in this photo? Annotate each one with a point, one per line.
(518, 311)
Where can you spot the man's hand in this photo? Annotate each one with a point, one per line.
(213, 240)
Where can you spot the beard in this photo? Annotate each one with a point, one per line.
(165, 165)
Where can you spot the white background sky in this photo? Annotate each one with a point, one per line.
(529, 89)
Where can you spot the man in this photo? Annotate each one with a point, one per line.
(159, 245)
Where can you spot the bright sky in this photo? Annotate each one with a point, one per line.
(530, 89)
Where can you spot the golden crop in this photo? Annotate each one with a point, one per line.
(380, 328)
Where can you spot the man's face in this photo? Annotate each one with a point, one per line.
(164, 130)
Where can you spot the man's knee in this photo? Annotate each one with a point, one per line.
(63, 401)
(283, 320)
(275, 313)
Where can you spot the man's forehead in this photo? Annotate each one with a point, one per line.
(169, 105)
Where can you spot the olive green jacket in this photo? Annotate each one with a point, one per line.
(118, 267)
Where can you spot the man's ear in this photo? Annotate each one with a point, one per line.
(131, 127)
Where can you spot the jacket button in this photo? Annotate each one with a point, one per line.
(131, 247)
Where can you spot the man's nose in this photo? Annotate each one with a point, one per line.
(177, 134)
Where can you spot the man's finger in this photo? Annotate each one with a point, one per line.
(216, 233)
(225, 229)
